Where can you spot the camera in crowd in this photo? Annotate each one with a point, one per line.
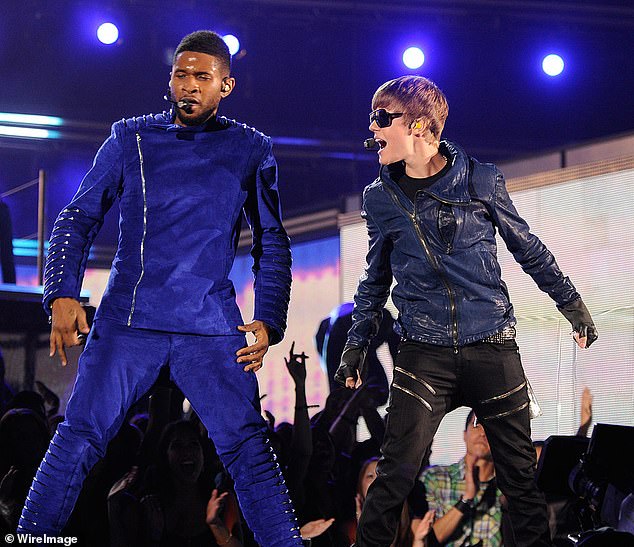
(589, 487)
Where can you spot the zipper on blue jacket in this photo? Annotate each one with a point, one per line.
(434, 264)
(136, 286)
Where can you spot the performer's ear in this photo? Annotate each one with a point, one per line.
(227, 85)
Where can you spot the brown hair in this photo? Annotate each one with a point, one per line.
(417, 98)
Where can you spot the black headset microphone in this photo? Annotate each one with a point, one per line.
(371, 144)
(183, 103)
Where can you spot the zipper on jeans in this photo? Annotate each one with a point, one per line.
(136, 286)
(434, 263)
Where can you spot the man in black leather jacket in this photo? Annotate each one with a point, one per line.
(432, 216)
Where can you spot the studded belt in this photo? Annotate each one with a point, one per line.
(507, 333)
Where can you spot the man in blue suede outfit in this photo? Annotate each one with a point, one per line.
(183, 180)
(432, 218)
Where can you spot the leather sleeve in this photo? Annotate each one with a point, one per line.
(79, 222)
(527, 249)
(374, 285)
(271, 247)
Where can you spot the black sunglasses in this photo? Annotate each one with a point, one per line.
(383, 118)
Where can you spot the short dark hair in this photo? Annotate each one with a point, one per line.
(205, 41)
(469, 419)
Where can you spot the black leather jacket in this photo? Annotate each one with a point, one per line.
(442, 253)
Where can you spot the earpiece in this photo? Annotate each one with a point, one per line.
(417, 125)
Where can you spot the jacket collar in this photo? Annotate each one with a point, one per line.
(453, 187)
(165, 121)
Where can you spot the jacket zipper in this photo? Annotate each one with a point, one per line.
(434, 263)
(136, 286)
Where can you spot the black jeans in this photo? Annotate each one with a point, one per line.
(430, 381)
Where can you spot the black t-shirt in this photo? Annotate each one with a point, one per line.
(410, 185)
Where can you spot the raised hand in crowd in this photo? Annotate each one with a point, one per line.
(343, 428)
(586, 413)
(296, 365)
(301, 448)
(217, 526)
(51, 399)
(471, 476)
(421, 529)
(315, 528)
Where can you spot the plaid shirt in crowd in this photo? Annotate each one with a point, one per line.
(444, 484)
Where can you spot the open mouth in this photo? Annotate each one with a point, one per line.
(382, 144)
(188, 465)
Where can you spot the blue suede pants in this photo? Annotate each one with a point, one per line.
(118, 365)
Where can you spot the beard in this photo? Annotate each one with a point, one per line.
(196, 120)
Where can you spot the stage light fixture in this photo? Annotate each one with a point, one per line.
(413, 57)
(28, 132)
(108, 33)
(232, 43)
(553, 64)
(29, 119)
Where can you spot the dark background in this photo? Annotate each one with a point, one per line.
(308, 70)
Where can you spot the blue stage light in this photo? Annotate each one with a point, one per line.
(29, 119)
(232, 43)
(413, 57)
(108, 33)
(28, 132)
(553, 64)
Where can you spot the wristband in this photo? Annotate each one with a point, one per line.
(464, 506)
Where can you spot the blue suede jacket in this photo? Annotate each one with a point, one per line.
(181, 191)
(442, 252)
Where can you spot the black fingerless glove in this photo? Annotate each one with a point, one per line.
(351, 366)
(581, 320)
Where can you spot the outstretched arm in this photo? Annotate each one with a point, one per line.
(71, 238)
(537, 261)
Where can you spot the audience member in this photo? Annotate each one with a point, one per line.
(176, 503)
(464, 495)
(331, 338)
(412, 529)
(28, 399)
(89, 519)
(6, 393)
(24, 437)
(50, 399)
(565, 512)
(298, 452)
